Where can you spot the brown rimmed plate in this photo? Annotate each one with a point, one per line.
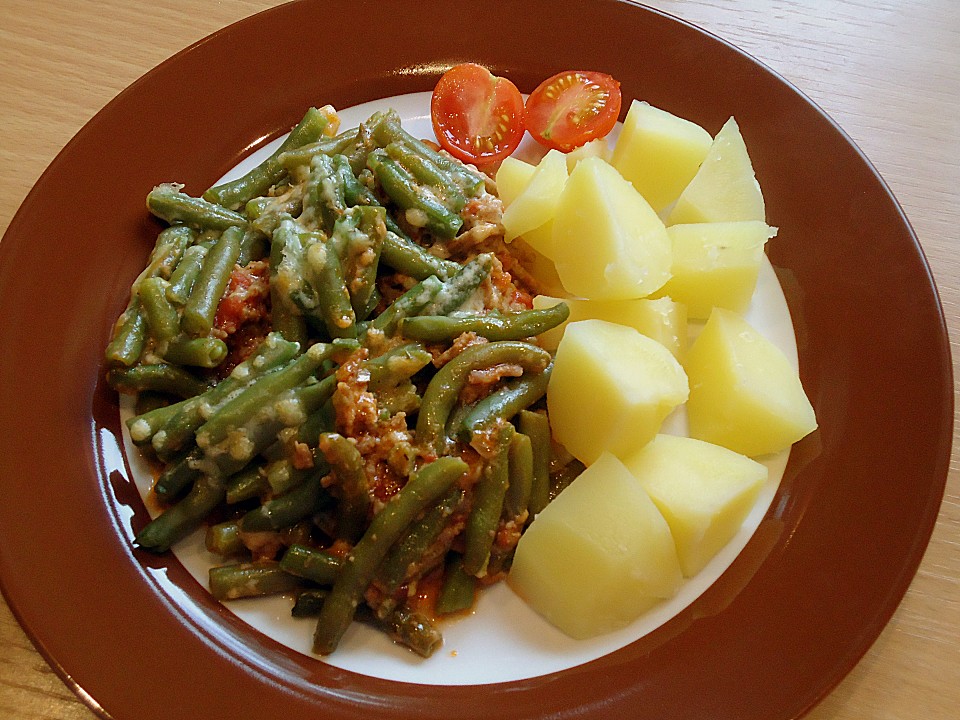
(139, 638)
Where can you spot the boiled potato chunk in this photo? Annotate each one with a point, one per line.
(598, 556)
(537, 202)
(608, 243)
(512, 177)
(611, 388)
(725, 187)
(744, 393)
(662, 319)
(703, 490)
(659, 152)
(597, 147)
(716, 265)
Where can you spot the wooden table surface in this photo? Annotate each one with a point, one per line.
(888, 72)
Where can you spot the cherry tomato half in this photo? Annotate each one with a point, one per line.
(477, 116)
(573, 107)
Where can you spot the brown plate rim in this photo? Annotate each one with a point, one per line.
(809, 594)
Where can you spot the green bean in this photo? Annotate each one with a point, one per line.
(282, 475)
(262, 391)
(390, 130)
(422, 489)
(536, 426)
(260, 431)
(224, 539)
(309, 602)
(315, 565)
(246, 484)
(159, 377)
(201, 307)
(489, 494)
(364, 230)
(286, 317)
(296, 159)
(347, 465)
(259, 180)
(254, 245)
(506, 326)
(408, 628)
(163, 321)
(178, 475)
(458, 289)
(396, 365)
(253, 579)
(144, 425)
(183, 278)
(268, 212)
(419, 203)
(410, 303)
(443, 390)
(322, 420)
(205, 352)
(459, 589)
(324, 200)
(325, 273)
(168, 203)
(409, 550)
(287, 509)
(129, 335)
(271, 353)
(514, 396)
(171, 244)
(178, 521)
(291, 282)
(407, 257)
(517, 499)
(402, 398)
(427, 173)
(399, 251)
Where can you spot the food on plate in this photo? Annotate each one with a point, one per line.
(327, 372)
(477, 116)
(725, 187)
(703, 490)
(629, 251)
(598, 147)
(599, 555)
(384, 380)
(530, 213)
(662, 319)
(572, 108)
(611, 389)
(744, 393)
(659, 153)
(715, 265)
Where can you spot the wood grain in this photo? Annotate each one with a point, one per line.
(887, 72)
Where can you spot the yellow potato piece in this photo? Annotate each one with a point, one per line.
(608, 243)
(715, 265)
(537, 202)
(744, 393)
(598, 556)
(595, 148)
(663, 319)
(513, 176)
(725, 187)
(703, 490)
(611, 388)
(659, 152)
